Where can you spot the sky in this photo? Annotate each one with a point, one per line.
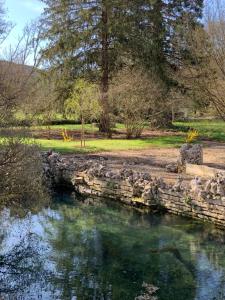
(21, 12)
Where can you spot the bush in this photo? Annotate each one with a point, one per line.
(133, 94)
(21, 172)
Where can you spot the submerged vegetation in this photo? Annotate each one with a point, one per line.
(107, 250)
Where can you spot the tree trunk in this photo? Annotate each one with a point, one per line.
(173, 113)
(104, 125)
(82, 130)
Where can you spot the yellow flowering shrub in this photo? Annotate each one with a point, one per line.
(66, 137)
(192, 136)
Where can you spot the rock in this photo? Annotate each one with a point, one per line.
(213, 188)
(178, 185)
(172, 168)
(208, 186)
(109, 174)
(146, 176)
(191, 153)
(196, 186)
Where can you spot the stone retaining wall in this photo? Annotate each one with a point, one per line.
(203, 200)
(179, 203)
(211, 211)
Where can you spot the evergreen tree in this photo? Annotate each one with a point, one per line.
(159, 39)
(92, 39)
(83, 42)
(159, 29)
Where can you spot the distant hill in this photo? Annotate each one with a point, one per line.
(8, 68)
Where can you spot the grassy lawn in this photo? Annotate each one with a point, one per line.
(210, 129)
(110, 145)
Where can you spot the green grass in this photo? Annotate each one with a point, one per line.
(110, 145)
(209, 129)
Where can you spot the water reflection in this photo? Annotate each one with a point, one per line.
(105, 251)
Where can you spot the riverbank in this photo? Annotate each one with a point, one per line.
(92, 177)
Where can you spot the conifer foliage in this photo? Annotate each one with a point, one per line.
(94, 38)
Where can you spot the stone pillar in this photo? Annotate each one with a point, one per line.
(191, 153)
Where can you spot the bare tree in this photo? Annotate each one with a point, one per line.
(20, 161)
(204, 77)
(16, 76)
(136, 99)
(215, 17)
(4, 25)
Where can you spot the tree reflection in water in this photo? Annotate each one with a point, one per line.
(106, 251)
(21, 266)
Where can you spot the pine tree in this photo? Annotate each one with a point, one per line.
(83, 42)
(92, 39)
(182, 16)
(159, 31)
(159, 39)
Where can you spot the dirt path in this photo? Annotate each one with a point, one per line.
(214, 155)
(154, 160)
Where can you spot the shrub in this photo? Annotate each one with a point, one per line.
(192, 136)
(66, 137)
(133, 95)
(21, 172)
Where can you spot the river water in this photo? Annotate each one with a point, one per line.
(103, 250)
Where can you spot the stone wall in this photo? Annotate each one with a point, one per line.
(211, 210)
(200, 199)
(154, 194)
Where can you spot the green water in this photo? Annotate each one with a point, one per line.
(106, 251)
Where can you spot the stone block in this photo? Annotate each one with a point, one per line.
(192, 154)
